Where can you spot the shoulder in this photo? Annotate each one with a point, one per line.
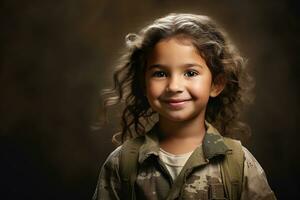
(113, 160)
(254, 180)
(251, 163)
(255, 183)
(115, 157)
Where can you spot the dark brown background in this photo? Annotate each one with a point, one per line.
(57, 55)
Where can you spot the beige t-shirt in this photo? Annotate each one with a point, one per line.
(174, 163)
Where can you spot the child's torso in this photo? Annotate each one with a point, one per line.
(194, 182)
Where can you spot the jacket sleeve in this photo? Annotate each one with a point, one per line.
(109, 182)
(255, 184)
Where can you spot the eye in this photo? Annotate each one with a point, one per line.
(159, 74)
(191, 73)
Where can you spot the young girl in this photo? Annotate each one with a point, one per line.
(183, 85)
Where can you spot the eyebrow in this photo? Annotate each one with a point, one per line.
(187, 65)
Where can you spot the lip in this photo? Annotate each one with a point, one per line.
(176, 103)
(176, 100)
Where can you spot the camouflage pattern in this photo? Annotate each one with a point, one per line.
(199, 179)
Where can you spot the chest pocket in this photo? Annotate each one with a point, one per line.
(200, 188)
(216, 191)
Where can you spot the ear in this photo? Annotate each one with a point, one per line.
(217, 86)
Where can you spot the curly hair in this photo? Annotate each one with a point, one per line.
(213, 45)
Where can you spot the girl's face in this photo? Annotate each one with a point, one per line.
(178, 81)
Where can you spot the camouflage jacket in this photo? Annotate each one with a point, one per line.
(195, 181)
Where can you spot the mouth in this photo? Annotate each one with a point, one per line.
(176, 103)
(176, 100)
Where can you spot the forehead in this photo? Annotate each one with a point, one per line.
(174, 51)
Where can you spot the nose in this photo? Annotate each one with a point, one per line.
(175, 84)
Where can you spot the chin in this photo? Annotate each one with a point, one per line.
(177, 118)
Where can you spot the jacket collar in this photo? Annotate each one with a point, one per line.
(212, 145)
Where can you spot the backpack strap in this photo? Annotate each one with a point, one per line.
(232, 169)
(128, 166)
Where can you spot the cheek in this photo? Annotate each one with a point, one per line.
(200, 88)
(154, 89)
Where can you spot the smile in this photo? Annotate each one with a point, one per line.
(176, 103)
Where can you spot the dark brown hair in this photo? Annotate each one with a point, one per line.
(213, 45)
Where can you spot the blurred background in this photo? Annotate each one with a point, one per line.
(56, 56)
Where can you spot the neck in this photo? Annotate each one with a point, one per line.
(181, 137)
(179, 131)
